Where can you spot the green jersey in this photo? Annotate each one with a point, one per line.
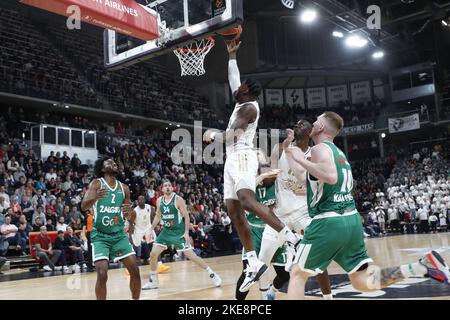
(172, 218)
(108, 216)
(266, 196)
(323, 197)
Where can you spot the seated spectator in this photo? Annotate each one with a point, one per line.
(75, 244)
(50, 225)
(77, 225)
(61, 225)
(41, 184)
(12, 236)
(3, 206)
(50, 214)
(45, 251)
(27, 208)
(75, 214)
(15, 206)
(37, 224)
(24, 227)
(65, 215)
(39, 212)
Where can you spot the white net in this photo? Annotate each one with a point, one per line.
(192, 56)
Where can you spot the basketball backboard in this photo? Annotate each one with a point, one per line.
(180, 21)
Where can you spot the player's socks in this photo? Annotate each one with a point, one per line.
(252, 258)
(209, 270)
(413, 270)
(154, 277)
(327, 296)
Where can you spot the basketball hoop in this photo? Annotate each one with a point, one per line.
(192, 56)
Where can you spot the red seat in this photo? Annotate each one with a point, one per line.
(33, 235)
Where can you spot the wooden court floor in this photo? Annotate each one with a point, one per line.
(186, 281)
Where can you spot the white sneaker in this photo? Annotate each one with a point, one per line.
(84, 266)
(252, 275)
(47, 268)
(58, 268)
(76, 268)
(65, 269)
(150, 286)
(216, 279)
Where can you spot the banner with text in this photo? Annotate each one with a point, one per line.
(361, 92)
(411, 122)
(358, 129)
(337, 94)
(274, 97)
(316, 98)
(294, 97)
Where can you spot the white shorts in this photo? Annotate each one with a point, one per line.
(297, 221)
(140, 236)
(241, 169)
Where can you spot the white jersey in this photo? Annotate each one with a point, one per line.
(245, 141)
(286, 183)
(143, 217)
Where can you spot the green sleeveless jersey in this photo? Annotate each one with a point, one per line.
(266, 196)
(108, 216)
(172, 218)
(323, 197)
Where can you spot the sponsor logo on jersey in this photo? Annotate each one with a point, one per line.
(168, 216)
(107, 209)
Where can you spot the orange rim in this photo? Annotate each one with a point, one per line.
(210, 45)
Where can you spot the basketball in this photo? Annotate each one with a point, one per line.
(232, 34)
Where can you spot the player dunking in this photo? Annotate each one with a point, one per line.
(171, 209)
(335, 233)
(241, 168)
(291, 205)
(110, 201)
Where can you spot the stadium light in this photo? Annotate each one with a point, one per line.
(178, 125)
(66, 106)
(338, 34)
(308, 16)
(383, 135)
(378, 54)
(355, 41)
(444, 23)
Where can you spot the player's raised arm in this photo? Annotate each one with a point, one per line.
(93, 194)
(234, 76)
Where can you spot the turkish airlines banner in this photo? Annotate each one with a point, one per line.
(295, 97)
(274, 97)
(316, 98)
(361, 92)
(123, 16)
(337, 94)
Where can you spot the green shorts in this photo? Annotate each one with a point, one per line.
(114, 245)
(279, 258)
(176, 239)
(339, 239)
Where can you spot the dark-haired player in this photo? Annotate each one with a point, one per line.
(109, 200)
(171, 210)
(241, 168)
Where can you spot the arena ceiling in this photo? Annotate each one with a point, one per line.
(411, 32)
